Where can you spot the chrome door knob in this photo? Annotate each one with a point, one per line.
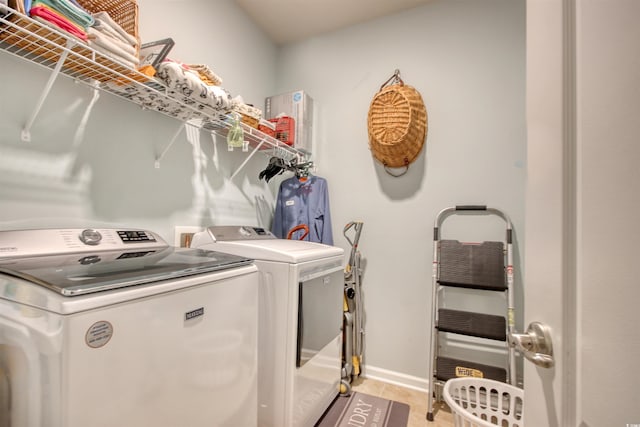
(535, 344)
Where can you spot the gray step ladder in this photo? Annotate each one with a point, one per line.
(481, 268)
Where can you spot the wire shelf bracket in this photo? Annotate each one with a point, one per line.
(164, 152)
(25, 135)
(246, 160)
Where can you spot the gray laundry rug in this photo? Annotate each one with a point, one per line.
(363, 410)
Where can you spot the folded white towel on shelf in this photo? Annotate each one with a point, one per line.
(113, 55)
(112, 36)
(103, 20)
(105, 44)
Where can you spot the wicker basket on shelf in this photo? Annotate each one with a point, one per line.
(249, 121)
(123, 12)
(249, 115)
(23, 33)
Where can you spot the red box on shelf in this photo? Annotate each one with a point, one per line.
(285, 129)
(266, 129)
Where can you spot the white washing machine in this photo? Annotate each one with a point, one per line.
(300, 319)
(116, 328)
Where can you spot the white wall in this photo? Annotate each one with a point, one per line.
(108, 174)
(466, 58)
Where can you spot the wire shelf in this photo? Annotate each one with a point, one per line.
(41, 44)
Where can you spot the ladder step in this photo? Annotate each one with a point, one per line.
(474, 324)
(472, 265)
(447, 368)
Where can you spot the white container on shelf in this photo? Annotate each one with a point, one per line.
(299, 105)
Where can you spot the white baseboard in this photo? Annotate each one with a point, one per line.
(396, 378)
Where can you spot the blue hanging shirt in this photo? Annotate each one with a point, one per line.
(303, 203)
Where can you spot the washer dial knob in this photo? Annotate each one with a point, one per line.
(90, 237)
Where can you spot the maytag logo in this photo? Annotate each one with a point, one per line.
(194, 313)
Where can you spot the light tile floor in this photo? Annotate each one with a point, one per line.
(417, 401)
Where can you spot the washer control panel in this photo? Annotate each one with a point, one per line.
(21, 243)
(133, 236)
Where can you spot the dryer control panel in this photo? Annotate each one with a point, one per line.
(239, 232)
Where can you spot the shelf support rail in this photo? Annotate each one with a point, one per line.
(246, 160)
(26, 130)
(79, 135)
(287, 154)
(175, 136)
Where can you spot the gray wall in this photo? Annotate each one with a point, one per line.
(465, 57)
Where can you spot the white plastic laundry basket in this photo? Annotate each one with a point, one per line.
(479, 402)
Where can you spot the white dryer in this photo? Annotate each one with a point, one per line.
(300, 319)
(111, 327)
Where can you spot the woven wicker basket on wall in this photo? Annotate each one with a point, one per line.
(397, 124)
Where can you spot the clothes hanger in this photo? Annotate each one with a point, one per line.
(303, 171)
(275, 167)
